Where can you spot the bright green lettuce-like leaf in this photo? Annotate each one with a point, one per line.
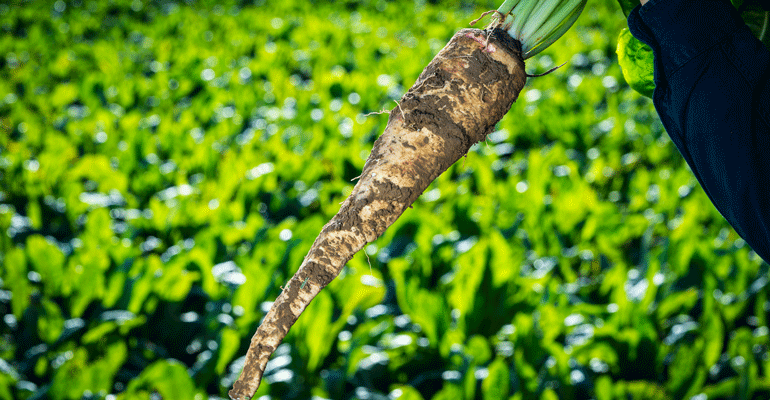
(198, 258)
(636, 61)
(430, 315)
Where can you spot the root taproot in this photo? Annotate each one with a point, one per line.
(456, 101)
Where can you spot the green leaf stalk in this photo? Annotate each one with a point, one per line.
(537, 24)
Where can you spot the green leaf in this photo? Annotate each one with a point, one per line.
(48, 260)
(683, 368)
(636, 61)
(450, 391)
(471, 267)
(168, 378)
(64, 94)
(114, 289)
(428, 309)
(469, 381)
(51, 323)
(359, 290)
(603, 388)
(123, 324)
(100, 331)
(228, 346)
(496, 384)
(478, 348)
(7, 382)
(549, 394)
(643, 390)
(431, 314)
(77, 375)
(680, 302)
(714, 335)
(198, 258)
(317, 330)
(406, 393)
(141, 288)
(175, 281)
(15, 277)
(627, 6)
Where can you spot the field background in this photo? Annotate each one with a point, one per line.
(164, 168)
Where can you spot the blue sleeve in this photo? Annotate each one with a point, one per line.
(712, 94)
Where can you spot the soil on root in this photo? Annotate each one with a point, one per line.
(455, 103)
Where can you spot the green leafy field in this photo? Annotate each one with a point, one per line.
(165, 167)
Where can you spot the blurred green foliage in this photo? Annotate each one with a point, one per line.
(164, 168)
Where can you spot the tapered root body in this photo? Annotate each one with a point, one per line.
(455, 103)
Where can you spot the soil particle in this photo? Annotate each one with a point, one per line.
(409, 145)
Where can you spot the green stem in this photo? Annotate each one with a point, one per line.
(538, 23)
(520, 15)
(562, 13)
(536, 20)
(550, 39)
(507, 6)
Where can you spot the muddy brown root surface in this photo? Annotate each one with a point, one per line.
(456, 101)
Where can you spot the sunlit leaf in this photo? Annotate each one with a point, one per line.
(636, 61)
(496, 385)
